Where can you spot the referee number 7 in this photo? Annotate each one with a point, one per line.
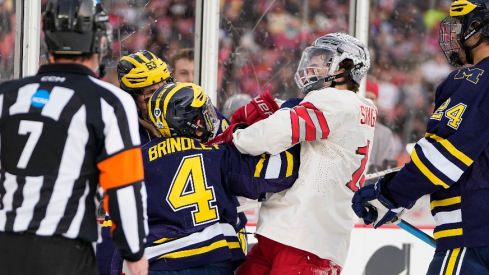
(34, 129)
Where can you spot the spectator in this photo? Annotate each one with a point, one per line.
(182, 65)
(382, 154)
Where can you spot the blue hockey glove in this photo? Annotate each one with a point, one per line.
(371, 204)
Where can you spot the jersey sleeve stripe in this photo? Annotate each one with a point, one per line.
(121, 169)
(144, 198)
(273, 167)
(127, 205)
(113, 138)
(426, 172)
(445, 202)
(323, 124)
(259, 166)
(290, 164)
(448, 233)
(310, 128)
(450, 148)
(439, 161)
(448, 217)
(294, 118)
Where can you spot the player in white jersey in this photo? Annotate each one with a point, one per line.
(306, 229)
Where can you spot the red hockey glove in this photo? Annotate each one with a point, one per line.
(227, 135)
(259, 108)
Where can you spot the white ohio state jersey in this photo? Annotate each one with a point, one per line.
(335, 129)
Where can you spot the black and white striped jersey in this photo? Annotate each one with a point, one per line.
(63, 132)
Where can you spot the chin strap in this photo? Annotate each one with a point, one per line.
(320, 83)
(467, 49)
(206, 134)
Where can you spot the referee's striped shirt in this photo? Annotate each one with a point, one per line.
(63, 132)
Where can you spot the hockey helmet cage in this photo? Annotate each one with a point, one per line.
(467, 17)
(76, 27)
(322, 59)
(141, 69)
(175, 107)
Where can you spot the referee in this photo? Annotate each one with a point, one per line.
(63, 133)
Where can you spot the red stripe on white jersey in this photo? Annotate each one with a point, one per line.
(320, 117)
(308, 123)
(294, 118)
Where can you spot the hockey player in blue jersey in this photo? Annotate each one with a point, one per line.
(140, 74)
(192, 187)
(452, 161)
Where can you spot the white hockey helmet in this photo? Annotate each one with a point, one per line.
(322, 59)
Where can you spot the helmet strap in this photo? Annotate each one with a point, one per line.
(467, 49)
(320, 83)
(206, 134)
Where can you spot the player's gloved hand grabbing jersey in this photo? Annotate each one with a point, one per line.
(259, 108)
(374, 204)
(227, 135)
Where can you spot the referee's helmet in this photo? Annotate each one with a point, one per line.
(75, 27)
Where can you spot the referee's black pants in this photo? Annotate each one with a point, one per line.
(28, 254)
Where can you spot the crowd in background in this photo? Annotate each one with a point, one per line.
(261, 40)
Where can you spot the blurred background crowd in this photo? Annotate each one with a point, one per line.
(261, 41)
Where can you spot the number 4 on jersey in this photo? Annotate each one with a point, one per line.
(358, 178)
(189, 189)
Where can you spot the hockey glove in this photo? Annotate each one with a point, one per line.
(373, 204)
(259, 108)
(227, 135)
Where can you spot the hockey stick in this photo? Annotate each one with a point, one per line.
(417, 232)
(376, 175)
(372, 207)
(381, 173)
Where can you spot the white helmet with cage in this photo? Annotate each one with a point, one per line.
(322, 59)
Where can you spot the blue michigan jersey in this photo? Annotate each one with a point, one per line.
(191, 198)
(452, 161)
